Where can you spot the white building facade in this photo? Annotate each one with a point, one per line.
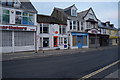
(51, 35)
(18, 26)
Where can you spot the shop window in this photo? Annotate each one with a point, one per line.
(45, 28)
(18, 17)
(61, 40)
(92, 40)
(74, 40)
(84, 40)
(55, 41)
(5, 16)
(65, 40)
(6, 38)
(45, 42)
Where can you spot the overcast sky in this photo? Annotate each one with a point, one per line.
(105, 11)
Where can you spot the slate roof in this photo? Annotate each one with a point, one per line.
(69, 7)
(65, 14)
(103, 25)
(82, 14)
(48, 19)
(27, 5)
(24, 5)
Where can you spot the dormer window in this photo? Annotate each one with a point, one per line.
(73, 12)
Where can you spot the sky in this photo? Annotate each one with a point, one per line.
(105, 11)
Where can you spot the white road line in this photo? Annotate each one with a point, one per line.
(98, 71)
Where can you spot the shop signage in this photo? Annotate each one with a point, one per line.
(5, 27)
(12, 27)
(94, 31)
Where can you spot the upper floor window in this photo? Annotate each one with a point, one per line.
(78, 25)
(5, 16)
(81, 25)
(73, 13)
(8, 2)
(74, 25)
(70, 25)
(44, 28)
(18, 17)
(28, 18)
(62, 29)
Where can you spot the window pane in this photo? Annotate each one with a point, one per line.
(4, 2)
(18, 13)
(45, 29)
(64, 29)
(6, 11)
(25, 20)
(65, 40)
(5, 19)
(18, 17)
(25, 14)
(31, 19)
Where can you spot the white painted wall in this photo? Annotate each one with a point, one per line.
(12, 21)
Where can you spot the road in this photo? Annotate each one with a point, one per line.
(65, 66)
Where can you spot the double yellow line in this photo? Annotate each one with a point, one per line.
(98, 71)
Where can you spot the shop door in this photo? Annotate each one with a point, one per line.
(80, 41)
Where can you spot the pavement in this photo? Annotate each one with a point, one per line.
(75, 65)
(46, 53)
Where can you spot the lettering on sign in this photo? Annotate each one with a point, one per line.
(11, 27)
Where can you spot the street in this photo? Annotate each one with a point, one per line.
(65, 66)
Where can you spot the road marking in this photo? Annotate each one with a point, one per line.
(98, 71)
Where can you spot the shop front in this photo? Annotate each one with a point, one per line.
(17, 38)
(79, 40)
(104, 40)
(94, 38)
(113, 40)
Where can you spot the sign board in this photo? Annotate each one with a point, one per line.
(22, 28)
(94, 31)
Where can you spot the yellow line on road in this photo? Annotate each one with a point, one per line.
(98, 71)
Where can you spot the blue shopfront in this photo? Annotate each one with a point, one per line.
(80, 40)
